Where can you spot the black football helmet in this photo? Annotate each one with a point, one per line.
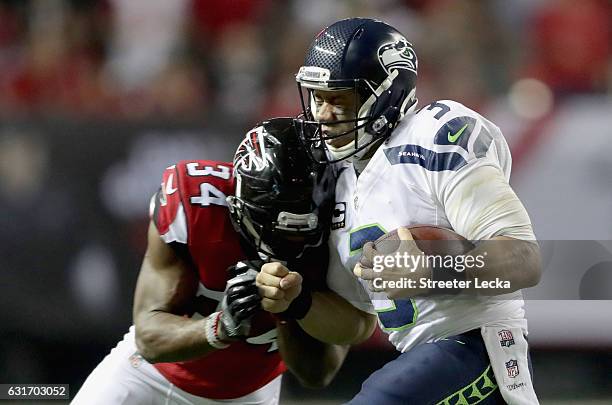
(377, 63)
(283, 199)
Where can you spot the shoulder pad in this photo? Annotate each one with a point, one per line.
(204, 184)
(186, 189)
(456, 131)
(441, 136)
(167, 210)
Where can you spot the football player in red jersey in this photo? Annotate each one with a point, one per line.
(200, 335)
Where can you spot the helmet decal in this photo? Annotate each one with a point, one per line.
(398, 55)
(314, 74)
(251, 153)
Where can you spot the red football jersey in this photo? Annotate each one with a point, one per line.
(191, 209)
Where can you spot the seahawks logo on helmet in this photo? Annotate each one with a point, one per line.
(397, 55)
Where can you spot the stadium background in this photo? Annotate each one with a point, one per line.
(97, 97)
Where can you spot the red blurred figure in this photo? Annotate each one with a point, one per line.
(571, 45)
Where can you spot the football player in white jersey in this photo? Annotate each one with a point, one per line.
(442, 165)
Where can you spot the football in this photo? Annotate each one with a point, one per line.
(432, 240)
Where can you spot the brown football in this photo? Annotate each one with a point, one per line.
(432, 240)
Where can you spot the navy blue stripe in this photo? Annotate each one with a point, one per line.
(430, 160)
(482, 143)
(453, 127)
(359, 237)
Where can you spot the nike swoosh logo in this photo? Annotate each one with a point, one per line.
(169, 188)
(454, 137)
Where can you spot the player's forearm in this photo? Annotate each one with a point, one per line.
(164, 337)
(316, 369)
(506, 259)
(332, 319)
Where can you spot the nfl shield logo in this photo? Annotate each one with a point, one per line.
(506, 339)
(512, 367)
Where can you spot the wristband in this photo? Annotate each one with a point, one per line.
(212, 331)
(299, 307)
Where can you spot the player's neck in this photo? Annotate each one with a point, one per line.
(361, 164)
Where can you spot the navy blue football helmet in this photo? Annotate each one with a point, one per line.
(377, 63)
(282, 203)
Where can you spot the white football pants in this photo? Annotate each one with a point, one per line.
(123, 377)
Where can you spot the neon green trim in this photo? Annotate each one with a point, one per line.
(403, 327)
(376, 224)
(391, 308)
(475, 392)
(453, 138)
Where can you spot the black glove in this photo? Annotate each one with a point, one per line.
(240, 302)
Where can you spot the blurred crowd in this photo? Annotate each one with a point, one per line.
(186, 59)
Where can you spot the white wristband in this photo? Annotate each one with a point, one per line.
(212, 327)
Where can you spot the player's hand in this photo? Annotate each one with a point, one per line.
(400, 277)
(278, 287)
(241, 300)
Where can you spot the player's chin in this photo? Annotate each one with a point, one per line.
(339, 141)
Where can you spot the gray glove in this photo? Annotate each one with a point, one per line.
(240, 302)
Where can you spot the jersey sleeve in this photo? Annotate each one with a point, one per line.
(167, 211)
(480, 204)
(472, 180)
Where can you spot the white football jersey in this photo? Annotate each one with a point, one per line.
(429, 172)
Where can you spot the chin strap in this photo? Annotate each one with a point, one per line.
(358, 160)
(339, 153)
